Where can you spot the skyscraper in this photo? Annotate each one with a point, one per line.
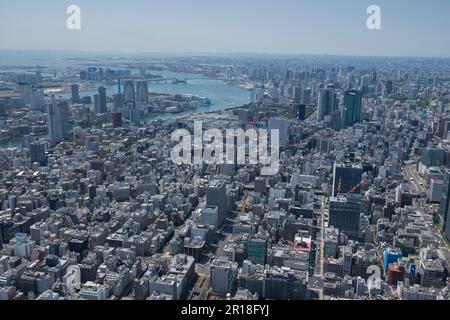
(223, 275)
(346, 177)
(306, 96)
(117, 102)
(37, 153)
(135, 115)
(297, 94)
(2, 109)
(129, 91)
(75, 90)
(281, 124)
(257, 249)
(433, 157)
(102, 100)
(389, 85)
(25, 92)
(352, 107)
(300, 111)
(37, 98)
(142, 91)
(327, 102)
(116, 118)
(216, 195)
(57, 120)
(345, 214)
(97, 103)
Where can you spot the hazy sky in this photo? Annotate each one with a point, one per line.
(409, 27)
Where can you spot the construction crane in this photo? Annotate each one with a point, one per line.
(339, 188)
(353, 189)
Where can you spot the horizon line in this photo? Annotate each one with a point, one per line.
(211, 53)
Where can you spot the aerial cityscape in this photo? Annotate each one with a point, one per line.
(135, 176)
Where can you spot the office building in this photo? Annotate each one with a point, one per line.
(347, 178)
(117, 102)
(94, 291)
(96, 103)
(389, 86)
(223, 274)
(306, 96)
(37, 98)
(297, 94)
(300, 111)
(129, 91)
(208, 216)
(102, 100)
(22, 246)
(25, 92)
(284, 283)
(352, 107)
(345, 214)
(327, 102)
(58, 120)
(75, 91)
(431, 273)
(116, 119)
(433, 157)
(142, 92)
(216, 195)
(37, 153)
(282, 125)
(391, 255)
(257, 249)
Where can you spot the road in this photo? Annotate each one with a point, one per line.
(415, 179)
(321, 246)
(428, 209)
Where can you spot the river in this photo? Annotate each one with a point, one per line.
(222, 95)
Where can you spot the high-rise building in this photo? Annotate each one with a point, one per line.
(208, 216)
(75, 90)
(300, 111)
(216, 195)
(443, 127)
(327, 102)
(135, 116)
(117, 102)
(142, 91)
(257, 249)
(345, 214)
(297, 94)
(129, 91)
(391, 255)
(433, 157)
(352, 107)
(2, 109)
(223, 275)
(306, 96)
(37, 98)
(58, 120)
(102, 100)
(116, 118)
(346, 177)
(97, 103)
(281, 124)
(389, 85)
(25, 92)
(37, 153)
(336, 120)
